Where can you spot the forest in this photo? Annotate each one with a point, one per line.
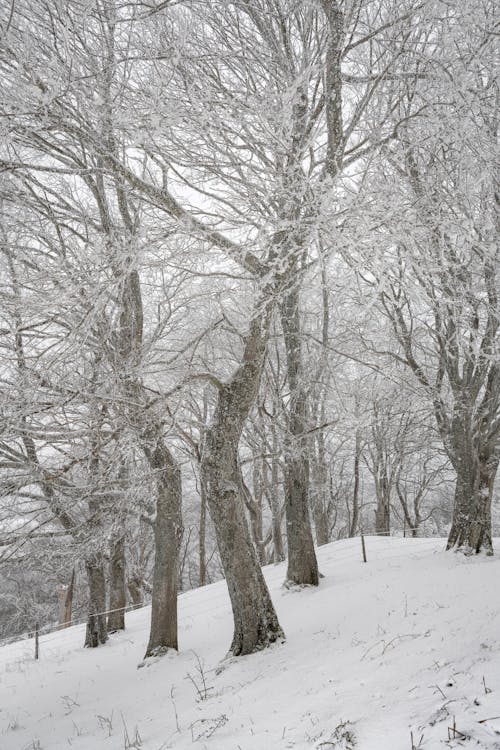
(249, 297)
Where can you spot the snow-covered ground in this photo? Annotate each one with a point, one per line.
(409, 642)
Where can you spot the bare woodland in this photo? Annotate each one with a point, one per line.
(249, 296)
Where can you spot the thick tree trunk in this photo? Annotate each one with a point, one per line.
(96, 633)
(117, 585)
(255, 622)
(168, 537)
(476, 465)
(302, 563)
(471, 527)
(383, 516)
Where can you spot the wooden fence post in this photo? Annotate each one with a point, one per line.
(363, 547)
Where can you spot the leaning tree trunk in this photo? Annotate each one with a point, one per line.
(255, 622)
(96, 632)
(302, 563)
(168, 537)
(117, 584)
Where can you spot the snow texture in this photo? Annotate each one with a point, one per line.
(404, 646)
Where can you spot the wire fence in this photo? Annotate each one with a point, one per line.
(352, 549)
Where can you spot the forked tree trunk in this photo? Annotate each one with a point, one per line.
(255, 622)
(168, 538)
(96, 632)
(302, 563)
(117, 585)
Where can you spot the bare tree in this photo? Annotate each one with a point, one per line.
(441, 294)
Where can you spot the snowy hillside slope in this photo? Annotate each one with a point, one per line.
(409, 642)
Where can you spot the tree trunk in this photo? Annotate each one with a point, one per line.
(168, 537)
(320, 491)
(302, 563)
(471, 450)
(96, 623)
(273, 497)
(65, 601)
(383, 516)
(117, 585)
(471, 527)
(255, 622)
(203, 536)
(382, 489)
(135, 590)
(355, 494)
(254, 508)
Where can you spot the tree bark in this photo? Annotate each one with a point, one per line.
(355, 494)
(135, 590)
(254, 508)
(96, 632)
(203, 536)
(320, 490)
(168, 537)
(272, 493)
(117, 585)
(65, 597)
(302, 563)
(255, 622)
(471, 527)
(278, 547)
(383, 511)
